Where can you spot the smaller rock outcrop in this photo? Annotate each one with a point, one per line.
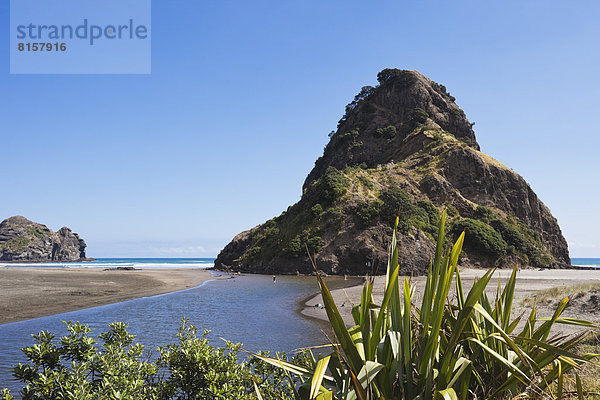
(24, 240)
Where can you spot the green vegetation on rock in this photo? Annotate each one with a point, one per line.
(497, 236)
(395, 202)
(483, 239)
(38, 232)
(16, 244)
(368, 212)
(389, 132)
(404, 78)
(419, 116)
(331, 187)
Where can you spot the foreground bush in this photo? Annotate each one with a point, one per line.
(463, 349)
(77, 367)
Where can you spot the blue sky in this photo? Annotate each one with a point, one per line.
(221, 135)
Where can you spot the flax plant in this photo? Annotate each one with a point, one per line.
(442, 350)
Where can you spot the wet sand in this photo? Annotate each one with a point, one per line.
(529, 281)
(27, 293)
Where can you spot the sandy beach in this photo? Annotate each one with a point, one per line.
(529, 281)
(35, 292)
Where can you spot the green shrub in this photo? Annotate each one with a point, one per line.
(418, 116)
(271, 229)
(363, 94)
(331, 186)
(484, 214)
(348, 136)
(269, 232)
(419, 219)
(78, 366)
(75, 368)
(451, 210)
(481, 238)
(316, 210)
(367, 212)
(294, 247)
(299, 243)
(401, 77)
(253, 252)
(526, 242)
(199, 371)
(366, 182)
(334, 216)
(391, 203)
(433, 214)
(510, 234)
(442, 89)
(396, 202)
(389, 132)
(433, 217)
(314, 244)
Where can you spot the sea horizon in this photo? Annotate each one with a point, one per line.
(188, 262)
(116, 262)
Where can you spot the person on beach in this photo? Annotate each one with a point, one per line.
(274, 279)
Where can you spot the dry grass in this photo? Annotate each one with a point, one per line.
(551, 295)
(589, 373)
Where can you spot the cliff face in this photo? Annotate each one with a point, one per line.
(24, 240)
(402, 148)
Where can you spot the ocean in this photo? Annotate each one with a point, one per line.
(586, 262)
(140, 263)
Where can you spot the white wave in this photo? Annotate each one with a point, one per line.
(587, 265)
(200, 264)
(104, 265)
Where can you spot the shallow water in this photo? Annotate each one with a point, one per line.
(248, 309)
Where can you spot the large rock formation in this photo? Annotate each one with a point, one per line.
(23, 240)
(402, 148)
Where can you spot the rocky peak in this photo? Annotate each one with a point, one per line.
(403, 148)
(16, 220)
(380, 118)
(24, 240)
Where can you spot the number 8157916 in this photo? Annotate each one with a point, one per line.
(42, 46)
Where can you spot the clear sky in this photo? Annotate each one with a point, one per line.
(241, 98)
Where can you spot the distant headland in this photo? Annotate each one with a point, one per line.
(22, 240)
